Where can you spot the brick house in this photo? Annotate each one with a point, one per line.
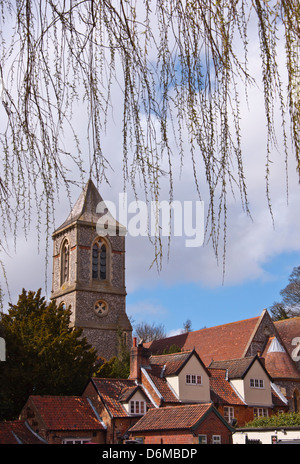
(19, 432)
(119, 402)
(245, 339)
(252, 383)
(64, 419)
(182, 378)
(188, 424)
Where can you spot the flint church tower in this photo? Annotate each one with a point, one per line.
(89, 275)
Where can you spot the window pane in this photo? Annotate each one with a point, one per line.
(95, 262)
(131, 407)
(103, 262)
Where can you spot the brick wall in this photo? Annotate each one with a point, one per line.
(211, 425)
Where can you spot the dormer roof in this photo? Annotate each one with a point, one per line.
(238, 368)
(172, 364)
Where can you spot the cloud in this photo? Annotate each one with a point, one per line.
(143, 309)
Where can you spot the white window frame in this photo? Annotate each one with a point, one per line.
(75, 441)
(228, 413)
(137, 407)
(257, 383)
(260, 412)
(193, 379)
(216, 440)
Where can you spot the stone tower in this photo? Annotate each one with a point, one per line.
(89, 275)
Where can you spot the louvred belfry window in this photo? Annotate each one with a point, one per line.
(99, 261)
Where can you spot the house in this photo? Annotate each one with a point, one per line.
(245, 339)
(119, 402)
(253, 384)
(19, 432)
(171, 379)
(267, 435)
(187, 424)
(182, 378)
(64, 419)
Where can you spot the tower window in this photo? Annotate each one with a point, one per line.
(65, 262)
(99, 261)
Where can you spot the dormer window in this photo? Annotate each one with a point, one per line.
(137, 407)
(193, 379)
(65, 262)
(257, 383)
(99, 260)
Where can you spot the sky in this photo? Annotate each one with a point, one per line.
(260, 253)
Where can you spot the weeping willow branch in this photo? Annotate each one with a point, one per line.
(179, 65)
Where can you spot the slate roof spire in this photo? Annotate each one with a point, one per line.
(85, 208)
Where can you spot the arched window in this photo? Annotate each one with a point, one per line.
(65, 262)
(99, 260)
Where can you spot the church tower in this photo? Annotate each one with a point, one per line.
(89, 275)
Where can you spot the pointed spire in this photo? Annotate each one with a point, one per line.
(85, 208)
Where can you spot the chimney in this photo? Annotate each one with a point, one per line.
(139, 357)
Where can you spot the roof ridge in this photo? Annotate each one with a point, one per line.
(287, 319)
(226, 323)
(171, 354)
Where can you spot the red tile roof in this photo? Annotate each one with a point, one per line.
(171, 363)
(114, 391)
(17, 432)
(172, 418)
(161, 384)
(289, 330)
(279, 364)
(66, 413)
(221, 392)
(227, 341)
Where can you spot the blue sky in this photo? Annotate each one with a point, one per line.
(207, 307)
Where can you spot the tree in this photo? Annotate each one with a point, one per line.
(149, 332)
(178, 65)
(44, 354)
(187, 326)
(290, 304)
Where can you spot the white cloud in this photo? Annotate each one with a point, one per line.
(145, 308)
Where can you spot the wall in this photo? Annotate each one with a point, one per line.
(210, 426)
(187, 392)
(254, 396)
(265, 435)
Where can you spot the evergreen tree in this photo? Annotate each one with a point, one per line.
(44, 354)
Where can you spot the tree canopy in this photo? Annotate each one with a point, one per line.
(290, 303)
(289, 419)
(44, 354)
(149, 332)
(181, 67)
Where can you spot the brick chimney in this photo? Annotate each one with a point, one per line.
(139, 357)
